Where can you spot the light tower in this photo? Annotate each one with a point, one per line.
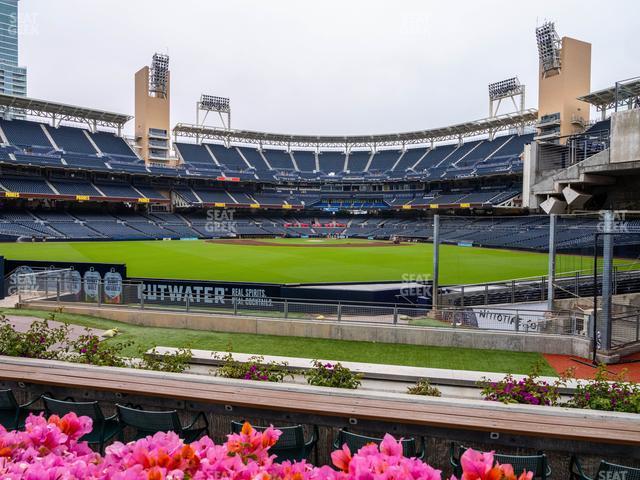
(564, 75)
(212, 103)
(512, 89)
(152, 96)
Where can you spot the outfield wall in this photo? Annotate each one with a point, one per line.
(394, 334)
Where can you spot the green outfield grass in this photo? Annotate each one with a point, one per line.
(279, 264)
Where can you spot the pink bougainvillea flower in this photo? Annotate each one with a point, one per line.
(51, 450)
(342, 458)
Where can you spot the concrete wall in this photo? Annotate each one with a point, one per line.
(446, 337)
(625, 136)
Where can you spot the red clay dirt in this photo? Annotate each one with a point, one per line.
(266, 243)
(582, 368)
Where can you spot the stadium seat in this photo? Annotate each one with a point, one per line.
(538, 464)
(355, 442)
(145, 422)
(104, 428)
(291, 445)
(605, 470)
(12, 414)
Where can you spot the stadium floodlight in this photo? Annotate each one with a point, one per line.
(213, 103)
(159, 74)
(505, 88)
(548, 47)
(508, 88)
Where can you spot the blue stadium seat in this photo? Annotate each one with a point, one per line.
(358, 161)
(331, 162)
(72, 139)
(305, 160)
(26, 185)
(279, 159)
(25, 134)
(111, 144)
(229, 157)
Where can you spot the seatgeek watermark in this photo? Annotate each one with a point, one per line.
(27, 24)
(416, 285)
(620, 222)
(612, 475)
(221, 222)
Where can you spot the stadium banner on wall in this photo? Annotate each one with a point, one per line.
(84, 278)
(204, 293)
(112, 287)
(486, 318)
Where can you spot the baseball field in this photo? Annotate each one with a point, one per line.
(298, 260)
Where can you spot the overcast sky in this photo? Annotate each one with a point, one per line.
(315, 67)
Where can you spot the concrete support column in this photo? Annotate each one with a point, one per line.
(551, 278)
(436, 258)
(604, 327)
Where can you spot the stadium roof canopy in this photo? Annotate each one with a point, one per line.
(60, 111)
(620, 94)
(487, 126)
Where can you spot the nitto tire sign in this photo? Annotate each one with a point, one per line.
(508, 320)
(490, 319)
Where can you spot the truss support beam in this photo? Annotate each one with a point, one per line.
(485, 126)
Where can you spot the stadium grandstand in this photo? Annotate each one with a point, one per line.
(68, 173)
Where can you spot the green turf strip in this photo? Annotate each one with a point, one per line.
(341, 350)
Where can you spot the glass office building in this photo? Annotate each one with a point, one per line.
(13, 78)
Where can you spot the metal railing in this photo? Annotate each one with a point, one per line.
(528, 321)
(625, 329)
(570, 150)
(574, 284)
(133, 296)
(42, 283)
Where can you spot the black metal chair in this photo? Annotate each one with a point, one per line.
(104, 428)
(605, 470)
(12, 414)
(146, 422)
(355, 442)
(291, 445)
(538, 464)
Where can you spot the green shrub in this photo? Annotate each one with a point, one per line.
(54, 343)
(90, 349)
(423, 387)
(529, 390)
(254, 369)
(176, 362)
(607, 392)
(332, 375)
(37, 342)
